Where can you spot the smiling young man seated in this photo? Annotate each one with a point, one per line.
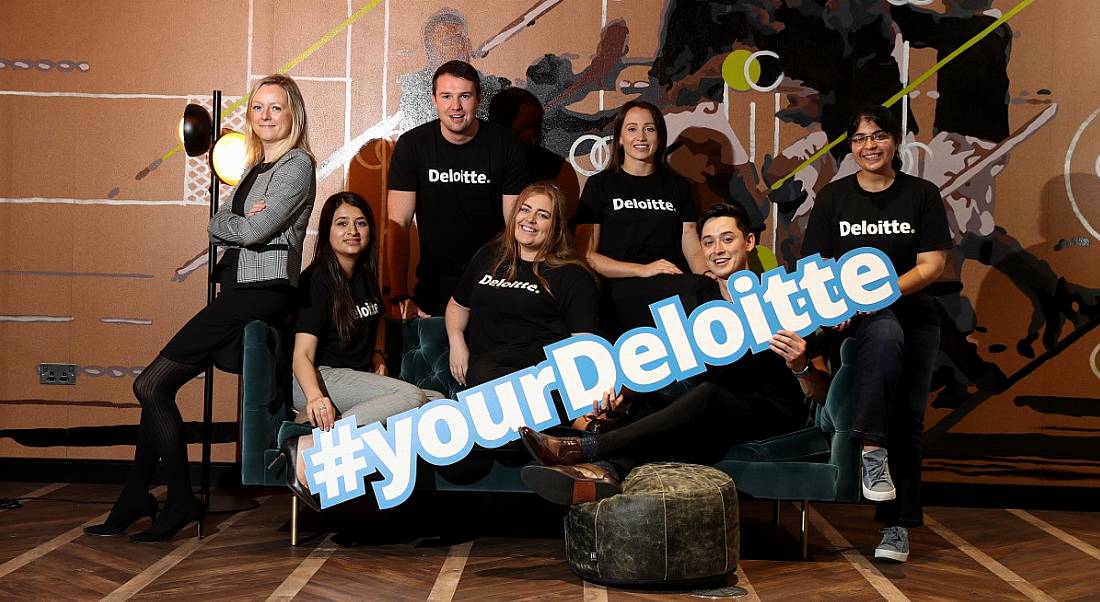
(760, 395)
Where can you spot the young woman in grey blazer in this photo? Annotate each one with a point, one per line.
(263, 231)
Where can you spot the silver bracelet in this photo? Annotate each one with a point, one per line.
(800, 373)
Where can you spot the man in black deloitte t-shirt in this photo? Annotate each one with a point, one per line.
(460, 177)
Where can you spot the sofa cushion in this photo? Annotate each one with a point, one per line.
(425, 361)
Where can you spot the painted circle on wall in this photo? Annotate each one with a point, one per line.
(1066, 174)
(599, 155)
(740, 70)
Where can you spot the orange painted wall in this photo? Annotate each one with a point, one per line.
(101, 218)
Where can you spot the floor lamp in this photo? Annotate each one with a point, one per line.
(201, 134)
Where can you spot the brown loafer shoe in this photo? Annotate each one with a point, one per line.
(577, 484)
(551, 451)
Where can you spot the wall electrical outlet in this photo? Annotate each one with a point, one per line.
(57, 374)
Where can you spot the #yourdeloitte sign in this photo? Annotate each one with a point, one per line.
(821, 292)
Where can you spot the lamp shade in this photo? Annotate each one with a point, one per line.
(229, 157)
(196, 130)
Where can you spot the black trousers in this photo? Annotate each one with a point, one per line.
(491, 365)
(697, 427)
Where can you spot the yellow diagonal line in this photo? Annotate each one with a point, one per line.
(294, 62)
(912, 86)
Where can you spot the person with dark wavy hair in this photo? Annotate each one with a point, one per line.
(636, 223)
(903, 216)
(523, 290)
(339, 366)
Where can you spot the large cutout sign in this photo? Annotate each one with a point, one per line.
(820, 292)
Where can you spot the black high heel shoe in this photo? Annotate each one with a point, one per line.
(171, 520)
(123, 514)
(289, 453)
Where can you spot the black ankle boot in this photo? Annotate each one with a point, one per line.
(175, 516)
(124, 513)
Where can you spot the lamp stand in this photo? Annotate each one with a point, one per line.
(219, 503)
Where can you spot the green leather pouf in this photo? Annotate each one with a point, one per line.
(672, 524)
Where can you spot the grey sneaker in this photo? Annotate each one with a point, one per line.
(877, 485)
(894, 545)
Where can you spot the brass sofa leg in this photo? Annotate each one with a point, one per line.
(804, 536)
(293, 520)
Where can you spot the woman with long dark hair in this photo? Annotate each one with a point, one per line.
(263, 230)
(636, 223)
(903, 216)
(339, 365)
(523, 290)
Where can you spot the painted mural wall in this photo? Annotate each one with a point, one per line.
(102, 217)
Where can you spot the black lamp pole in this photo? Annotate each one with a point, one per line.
(211, 287)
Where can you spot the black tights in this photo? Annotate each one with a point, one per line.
(161, 431)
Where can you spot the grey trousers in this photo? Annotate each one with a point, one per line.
(367, 396)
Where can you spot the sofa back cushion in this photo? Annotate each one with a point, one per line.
(425, 361)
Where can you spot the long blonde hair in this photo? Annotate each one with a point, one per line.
(299, 132)
(556, 250)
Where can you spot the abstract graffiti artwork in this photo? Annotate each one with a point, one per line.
(104, 223)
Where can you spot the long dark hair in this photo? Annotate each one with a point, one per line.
(617, 151)
(557, 249)
(884, 120)
(326, 265)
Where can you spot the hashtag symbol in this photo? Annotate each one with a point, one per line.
(336, 465)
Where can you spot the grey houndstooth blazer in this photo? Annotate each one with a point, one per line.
(271, 241)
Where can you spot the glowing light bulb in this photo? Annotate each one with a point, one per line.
(229, 157)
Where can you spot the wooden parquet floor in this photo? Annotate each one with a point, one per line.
(508, 547)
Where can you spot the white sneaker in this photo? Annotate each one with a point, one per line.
(894, 545)
(877, 484)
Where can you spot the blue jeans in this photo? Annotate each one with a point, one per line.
(922, 341)
(894, 363)
(880, 347)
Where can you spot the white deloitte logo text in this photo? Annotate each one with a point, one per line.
(882, 226)
(527, 286)
(367, 309)
(457, 176)
(654, 204)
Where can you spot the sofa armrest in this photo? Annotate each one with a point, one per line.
(263, 402)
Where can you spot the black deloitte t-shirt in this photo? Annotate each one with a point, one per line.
(905, 219)
(315, 317)
(458, 199)
(521, 313)
(764, 380)
(641, 218)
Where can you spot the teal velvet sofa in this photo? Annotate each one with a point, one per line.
(818, 463)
